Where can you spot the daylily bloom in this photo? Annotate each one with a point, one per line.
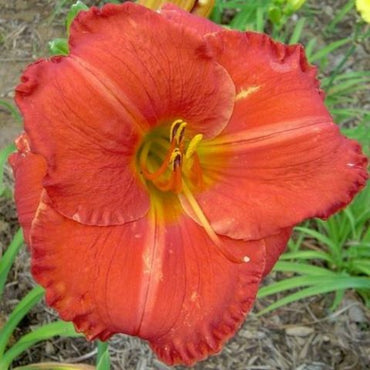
(164, 164)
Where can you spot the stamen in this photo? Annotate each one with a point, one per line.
(176, 158)
(162, 169)
(208, 228)
(168, 176)
(177, 131)
(192, 147)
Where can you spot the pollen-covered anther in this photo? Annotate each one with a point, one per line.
(177, 131)
(176, 159)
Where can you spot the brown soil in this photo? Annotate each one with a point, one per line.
(305, 335)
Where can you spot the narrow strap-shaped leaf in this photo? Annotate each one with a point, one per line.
(103, 359)
(4, 154)
(305, 255)
(7, 259)
(297, 32)
(291, 283)
(337, 283)
(60, 328)
(329, 49)
(12, 109)
(19, 312)
(320, 237)
(302, 268)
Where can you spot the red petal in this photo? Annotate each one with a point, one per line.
(88, 141)
(162, 281)
(185, 19)
(29, 170)
(160, 69)
(274, 82)
(281, 159)
(128, 68)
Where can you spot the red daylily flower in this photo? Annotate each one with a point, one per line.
(164, 164)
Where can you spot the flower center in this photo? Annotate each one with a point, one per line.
(167, 161)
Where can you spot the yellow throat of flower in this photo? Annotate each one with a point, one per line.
(166, 163)
(169, 163)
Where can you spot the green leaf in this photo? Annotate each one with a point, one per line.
(336, 282)
(4, 154)
(260, 21)
(302, 268)
(19, 312)
(343, 10)
(362, 266)
(320, 237)
(309, 47)
(58, 47)
(329, 49)
(103, 359)
(305, 255)
(58, 328)
(297, 32)
(12, 109)
(8, 258)
(291, 283)
(75, 9)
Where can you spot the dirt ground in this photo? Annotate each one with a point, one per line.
(305, 335)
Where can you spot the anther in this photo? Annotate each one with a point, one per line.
(176, 159)
(177, 131)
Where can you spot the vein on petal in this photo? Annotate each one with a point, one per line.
(111, 92)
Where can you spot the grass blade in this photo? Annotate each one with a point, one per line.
(302, 268)
(103, 359)
(58, 328)
(20, 311)
(297, 32)
(12, 109)
(316, 235)
(291, 283)
(8, 258)
(329, 49)
(4, 154)
(337, 282)
(306, 255)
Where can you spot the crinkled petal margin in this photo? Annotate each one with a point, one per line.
(281, 159)
(129, 69)
(164, 282)
(29, 170)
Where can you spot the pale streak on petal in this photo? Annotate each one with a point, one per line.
(153, 258)
(270, 132)
(244, 93)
